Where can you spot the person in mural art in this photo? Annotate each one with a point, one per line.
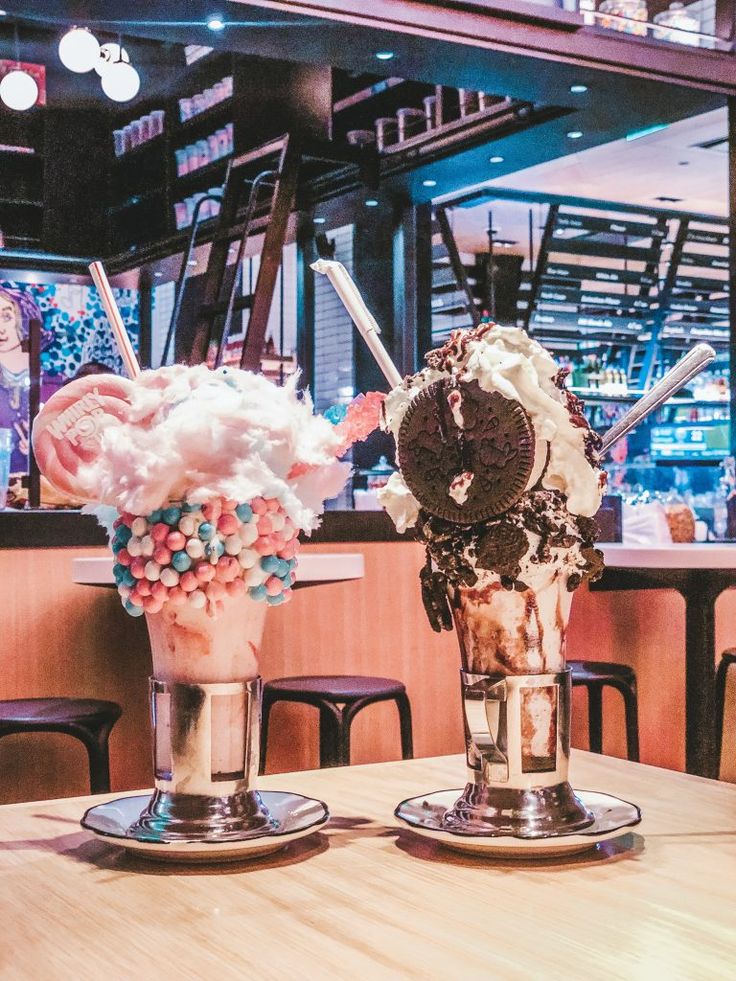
(17, 310)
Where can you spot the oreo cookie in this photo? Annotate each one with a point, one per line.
(465, 454)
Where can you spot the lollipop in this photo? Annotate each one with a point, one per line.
(67, 433)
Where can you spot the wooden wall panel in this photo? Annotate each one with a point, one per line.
(59, 638)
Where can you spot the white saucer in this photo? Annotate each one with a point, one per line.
(293, 816)
(425, 816)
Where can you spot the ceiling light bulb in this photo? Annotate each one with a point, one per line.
(496, 160)
(18, 90)
(110, 54)
(79, 50)
(371, 203)
(574, 134)
(121, 82)
(429, 183)
(215, 24)
(384, 55)
(578, 89)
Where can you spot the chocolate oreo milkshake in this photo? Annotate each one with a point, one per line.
(499, 474)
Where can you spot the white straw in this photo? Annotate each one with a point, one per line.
(116, 321)
(361, 315)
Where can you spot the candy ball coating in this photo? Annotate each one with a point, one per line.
(194, 548)
(181, 561)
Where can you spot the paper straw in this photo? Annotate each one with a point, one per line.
(116, 321)
(685, 369)
(361, 315)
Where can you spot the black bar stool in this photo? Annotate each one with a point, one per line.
(339, 698)
(88, 719)
(594, 676)
(728, 659)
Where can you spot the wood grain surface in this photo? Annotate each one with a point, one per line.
(366, 899)
(60, 638)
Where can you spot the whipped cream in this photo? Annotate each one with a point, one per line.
(197, 434)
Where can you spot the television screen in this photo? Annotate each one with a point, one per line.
(690, 441)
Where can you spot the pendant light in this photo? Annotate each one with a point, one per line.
(18, 89)
(79, 50)
(121, 82)
(110, 53)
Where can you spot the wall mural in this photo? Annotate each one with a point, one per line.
(75, 332)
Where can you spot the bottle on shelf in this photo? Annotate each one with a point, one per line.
(200, 102)
(205, 151)
(138, 131)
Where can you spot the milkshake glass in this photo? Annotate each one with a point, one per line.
(498, 472)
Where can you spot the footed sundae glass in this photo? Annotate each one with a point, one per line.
(499, 474)
(205, 480)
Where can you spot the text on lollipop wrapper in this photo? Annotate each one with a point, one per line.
(81, 421)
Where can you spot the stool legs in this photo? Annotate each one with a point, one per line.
(331, 736)
(631, 714)
(595, 718)
(407, 742)
(95, 740)
(631, 711)
(266, 703)
(727, 660)
(98, 753)
(334, 727)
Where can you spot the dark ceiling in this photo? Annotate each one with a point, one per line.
(615, 104)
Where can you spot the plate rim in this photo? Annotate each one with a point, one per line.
(204, 843)
(557, 836)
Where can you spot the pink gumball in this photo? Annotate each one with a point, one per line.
(228, 567)
(258, 505)
(204, 572)
(263, 546)
(274, 586)
(236, 587)
(229, 504)
(264, 526)
(228, 523)
(144, 587)
(177, 596)
(175, 541)
(212, 511)
(189, 582)
(138, 567)
(123, 557)
(151, 604)
(159, 590)
(162, 555)
(159, 532)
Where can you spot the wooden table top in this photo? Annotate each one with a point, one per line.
(365, 899)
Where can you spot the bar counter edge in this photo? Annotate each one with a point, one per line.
(67, 528)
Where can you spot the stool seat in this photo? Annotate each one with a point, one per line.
(35, 711)
(337, 687)
(339, 698)
(90, 720)
(594, 676)
(602, 671)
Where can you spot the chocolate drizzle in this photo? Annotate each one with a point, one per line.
(455, 552)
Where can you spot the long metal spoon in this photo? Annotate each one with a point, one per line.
(685, 369)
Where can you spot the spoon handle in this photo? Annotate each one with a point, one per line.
(685, 369)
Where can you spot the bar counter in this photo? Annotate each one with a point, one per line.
(368, 898)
